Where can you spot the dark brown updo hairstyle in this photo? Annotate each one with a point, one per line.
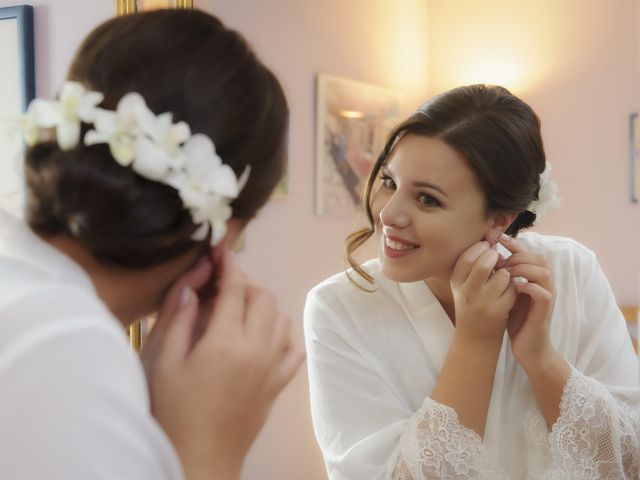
(181, 61)
(499, 136)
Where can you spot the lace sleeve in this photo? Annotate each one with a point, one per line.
(436, 446)
(596, 436)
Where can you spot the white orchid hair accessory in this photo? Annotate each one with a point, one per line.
(152, 145)
(547, 199)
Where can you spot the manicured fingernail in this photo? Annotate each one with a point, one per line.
(185, 296)
(519, 280)
(504, 237)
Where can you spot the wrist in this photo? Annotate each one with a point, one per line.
(474, 353)
(546, 364)
(483, 346)
(200, 464)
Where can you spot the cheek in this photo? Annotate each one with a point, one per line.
(377, 204)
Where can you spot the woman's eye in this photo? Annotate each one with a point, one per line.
(427, 200)
(388, 183)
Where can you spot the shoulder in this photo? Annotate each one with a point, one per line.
(347, 282)
(82, 374)
(561, 252)
(38, 313)
(346, 296)
(348, 288)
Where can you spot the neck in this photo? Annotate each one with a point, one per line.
(441, 288)
(129, 294)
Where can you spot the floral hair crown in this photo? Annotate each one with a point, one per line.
(547, 200)
(152, 145)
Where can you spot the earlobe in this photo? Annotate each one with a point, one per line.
(492, 235)
(501, 222)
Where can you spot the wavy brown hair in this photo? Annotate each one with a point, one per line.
(498, 135)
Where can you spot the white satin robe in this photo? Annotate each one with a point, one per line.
(374, 358)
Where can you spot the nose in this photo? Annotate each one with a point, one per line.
(394, 214)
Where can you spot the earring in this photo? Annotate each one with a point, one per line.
(496, 237)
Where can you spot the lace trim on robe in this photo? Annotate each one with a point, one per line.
(596, 437)
(437, 446)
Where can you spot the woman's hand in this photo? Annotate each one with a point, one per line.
(483, 298)
(528, 325)
(213, 396)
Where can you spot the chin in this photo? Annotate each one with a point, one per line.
(402, 275)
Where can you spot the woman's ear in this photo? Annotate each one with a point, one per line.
(235, 230)
(500, 223)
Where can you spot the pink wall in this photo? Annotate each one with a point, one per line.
(585, 82)
(577, 62)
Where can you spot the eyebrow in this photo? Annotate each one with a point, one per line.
(386, 171)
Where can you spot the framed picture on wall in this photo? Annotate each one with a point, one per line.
(17, 89)
(353, 120)
(635, 158)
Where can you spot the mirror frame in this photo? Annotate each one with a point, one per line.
(125, 7)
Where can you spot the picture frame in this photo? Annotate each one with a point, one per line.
(17, 89)
(634, 157)
(125, 7)
(353, 120)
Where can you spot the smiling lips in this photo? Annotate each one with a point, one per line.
(397, 247)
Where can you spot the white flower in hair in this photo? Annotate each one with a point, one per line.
(547, 199)
(27, 124)
(160, 149)
(120, 129)
(152, 145)
(75, 105)
(206, 185)
(168, 135)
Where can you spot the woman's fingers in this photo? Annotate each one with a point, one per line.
(511, 244)
(466, 261)
(177, 339)
(525, 257)
(261, 314)
(541, 298)
(281, 336)
(194, 278)
(228, 310)
(533, 274)
(499, 281)
(291, 361)
(520, 254)
(482, 269)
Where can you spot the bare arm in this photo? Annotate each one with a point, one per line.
(482, 303)
(468, 373)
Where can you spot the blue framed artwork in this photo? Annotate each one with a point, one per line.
(17, 89)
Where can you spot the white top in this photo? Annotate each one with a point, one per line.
(374, 359)
(73, 397)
